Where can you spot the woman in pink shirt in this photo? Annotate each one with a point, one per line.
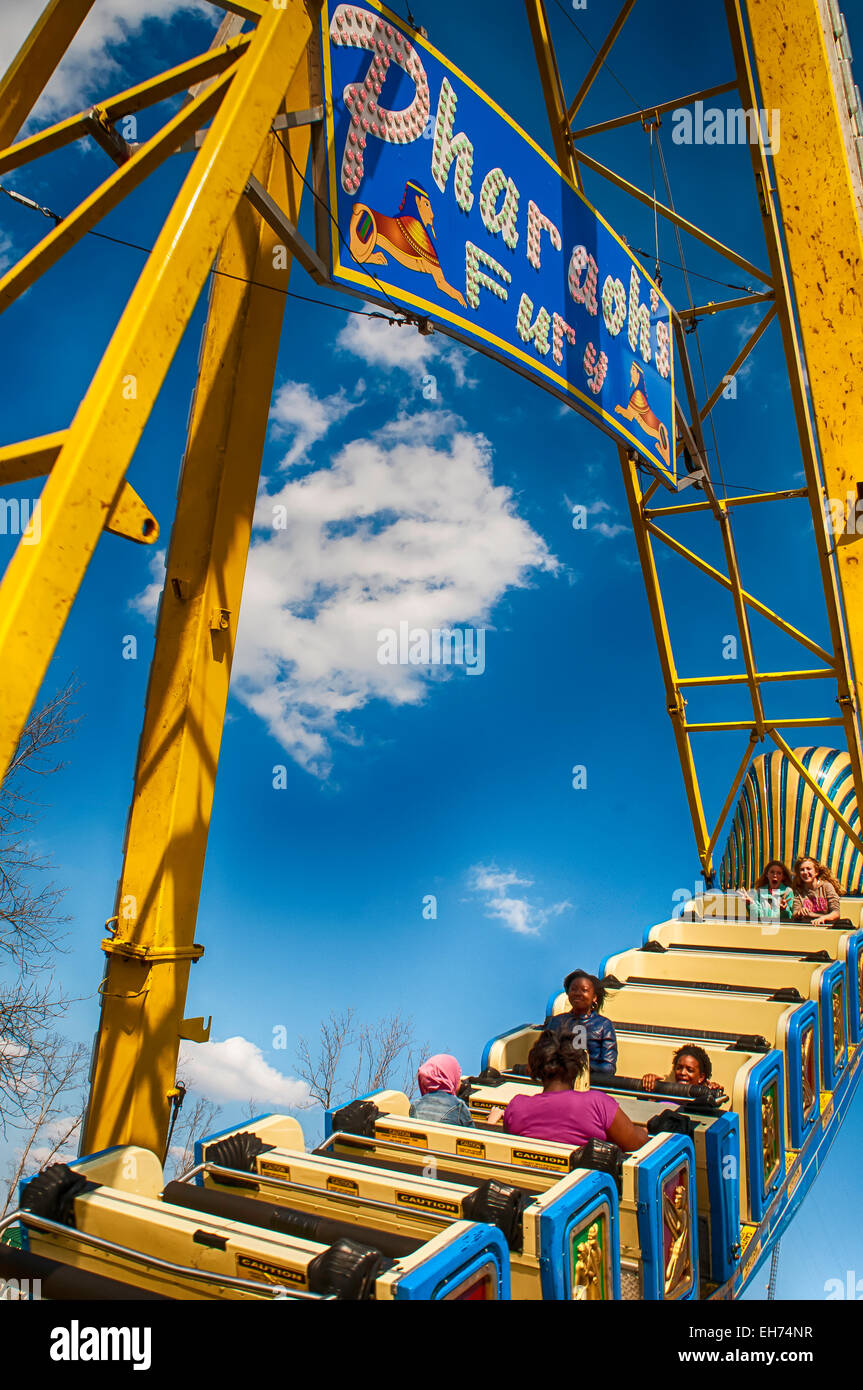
(561, 1113)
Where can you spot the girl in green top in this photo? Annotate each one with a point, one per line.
(773, 895)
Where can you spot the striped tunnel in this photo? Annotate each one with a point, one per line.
(779, 817)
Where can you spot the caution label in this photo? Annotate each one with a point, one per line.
(751, 1257)
(746, 1234)
(250, 1267)
(273, 1170)
(346, 1185)
(402, 1136)
(435, 1204)
(470, 1148)
(540, 1160)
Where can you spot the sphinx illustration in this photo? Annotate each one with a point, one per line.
(638, 409)
(407, 237)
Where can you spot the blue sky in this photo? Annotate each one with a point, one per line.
(459, 787)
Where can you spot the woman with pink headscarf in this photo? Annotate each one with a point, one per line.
(438, 1080)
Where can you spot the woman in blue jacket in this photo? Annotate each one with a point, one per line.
(587, 996)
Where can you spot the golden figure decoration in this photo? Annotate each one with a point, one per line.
(594, 1264)
(838, 1027)
(769, 1149)
(808, 1072)
(678, 1265)
(860, 985)
(407, 237)
(637, 408)
(581, 1276)
(587, 1275)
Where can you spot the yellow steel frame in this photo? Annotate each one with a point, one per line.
(778, 38)
(233, 93)
(239, 86)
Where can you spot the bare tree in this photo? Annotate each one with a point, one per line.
(54, 1074)
(30, 923)
(41, 1073)
(351, 1057)
(192, 1124)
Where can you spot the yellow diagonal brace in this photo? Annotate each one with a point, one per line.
(672, 216)
(817, 790)
(34, 65)
(133, 99)
(41, 581)
(145, 159)
(653, 109)
(729, 800)
(737, 363)
(703, 311)
(33, 458)
(599, 58)
(749, 599)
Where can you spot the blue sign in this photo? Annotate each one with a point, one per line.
(446, 207)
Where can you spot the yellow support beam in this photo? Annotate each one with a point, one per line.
(749, 599)
(33, 458)
(674, 217)
(150, 955)
(599, 59)
(814, 787)
(41, 581)
(674, 701)
(791, 49)
(744, 500)
(737, 363)
(552, 90)
(103, 199)
(794, 78)
(133, 99)
(658, 109)
(36, 62)
(732, 792)
(823, 673)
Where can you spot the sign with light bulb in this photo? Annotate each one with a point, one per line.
(440, 205)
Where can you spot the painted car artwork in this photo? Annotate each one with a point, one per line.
(444, 207)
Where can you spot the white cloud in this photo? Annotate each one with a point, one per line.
(297, 411)
(609, 530)
(405, 527)
(236, 1070)
(517, 913)
(382, 344)
(147, 602)
(92, 59)
(8, 254)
